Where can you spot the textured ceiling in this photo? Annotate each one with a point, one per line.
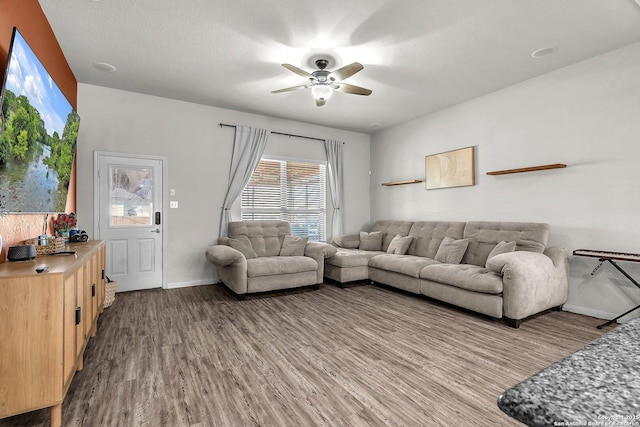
(419, 56)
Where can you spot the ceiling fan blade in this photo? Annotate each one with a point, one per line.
(355, 90)
(346, 71)
(297, 70)
(288, 89)
(320, 102)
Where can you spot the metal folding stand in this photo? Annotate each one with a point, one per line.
(607, 256)
(612, 262)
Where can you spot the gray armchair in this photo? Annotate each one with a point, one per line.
(260, 256)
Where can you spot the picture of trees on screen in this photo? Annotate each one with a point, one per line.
(38, 144)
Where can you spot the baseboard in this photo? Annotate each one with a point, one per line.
(201, 282)
(592, 312)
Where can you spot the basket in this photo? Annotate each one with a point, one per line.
(53, 246)
(109, 293)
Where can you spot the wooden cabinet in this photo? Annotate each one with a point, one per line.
(46, 321)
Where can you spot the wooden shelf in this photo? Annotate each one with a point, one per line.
(408, 181)
(531, 169)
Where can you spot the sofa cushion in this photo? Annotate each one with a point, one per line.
(427, 236)
(501, 248)
(404, 264)
(370, 241)
(399, 245)
(351, 258)
(347, 241)
(293, 245)
(265, 236)
(465, 276)
(242, 244)
(529, 236)
(391, 229)
(268, 266)
(451, 251)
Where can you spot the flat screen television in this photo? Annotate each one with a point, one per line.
(38, 134)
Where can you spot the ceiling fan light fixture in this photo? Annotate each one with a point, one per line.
(321, 91)
(323, 82)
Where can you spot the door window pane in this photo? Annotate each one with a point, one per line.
(131, 196)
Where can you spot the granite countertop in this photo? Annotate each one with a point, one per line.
(598, 385)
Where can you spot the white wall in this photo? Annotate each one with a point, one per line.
(199, 155)
(587, 116)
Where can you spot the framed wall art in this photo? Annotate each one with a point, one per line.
(454, 168)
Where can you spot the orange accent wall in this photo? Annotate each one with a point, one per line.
(28, 17)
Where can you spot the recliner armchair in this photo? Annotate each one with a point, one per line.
(260, 256)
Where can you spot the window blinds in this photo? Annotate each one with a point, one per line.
(292, 191)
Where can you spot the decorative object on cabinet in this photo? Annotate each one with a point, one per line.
(63, 224)
(47, 245)
(21, 253)
(408, 181)
(454, 168)
(530, 169)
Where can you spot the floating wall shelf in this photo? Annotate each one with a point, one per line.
(408, 181)
(531, 169)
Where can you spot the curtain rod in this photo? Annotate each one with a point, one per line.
(278, 133)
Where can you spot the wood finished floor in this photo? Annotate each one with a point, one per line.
(362, 356)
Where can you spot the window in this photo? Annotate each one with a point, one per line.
(287, 190)
(131, 196)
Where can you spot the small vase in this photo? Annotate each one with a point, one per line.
(65, 234)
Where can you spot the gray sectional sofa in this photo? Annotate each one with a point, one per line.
(500, 269)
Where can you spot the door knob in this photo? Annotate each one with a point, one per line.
(157, 230)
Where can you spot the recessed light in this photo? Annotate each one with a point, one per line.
(543, 52)
(103, 66)
(375, 125)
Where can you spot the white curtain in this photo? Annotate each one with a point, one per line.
(248, 147)
(336, 177)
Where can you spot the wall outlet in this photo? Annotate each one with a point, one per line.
(173, 204)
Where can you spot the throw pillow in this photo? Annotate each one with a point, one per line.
(501, 248)
(399, 245)
(242, 244)
(293, 245)
(371, 241)
(451, 251)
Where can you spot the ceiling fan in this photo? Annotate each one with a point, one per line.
(323, 82)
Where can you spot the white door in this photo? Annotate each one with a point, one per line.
(130, 218)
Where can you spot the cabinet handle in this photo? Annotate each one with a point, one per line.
(103, 274)
(93, 289)
(78, 315)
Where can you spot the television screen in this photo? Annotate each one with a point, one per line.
(38, 140)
